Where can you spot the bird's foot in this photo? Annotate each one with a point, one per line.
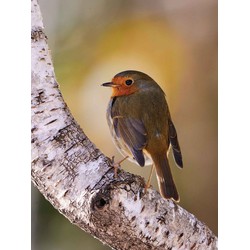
(117, 165)
(148, 184)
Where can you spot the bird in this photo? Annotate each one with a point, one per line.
(141, 126)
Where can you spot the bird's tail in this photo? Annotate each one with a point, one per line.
(165, 180)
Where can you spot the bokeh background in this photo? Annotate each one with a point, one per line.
(173, 41)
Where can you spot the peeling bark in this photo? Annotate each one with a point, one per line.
(78, 180)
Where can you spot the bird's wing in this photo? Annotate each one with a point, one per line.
(133, 133)
(175, 144)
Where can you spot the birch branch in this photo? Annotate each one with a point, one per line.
(78, 180)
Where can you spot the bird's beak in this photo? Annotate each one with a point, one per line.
(109, 84)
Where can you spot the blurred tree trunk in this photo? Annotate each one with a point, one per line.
(78, 180)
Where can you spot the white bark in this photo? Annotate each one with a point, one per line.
(79, 181)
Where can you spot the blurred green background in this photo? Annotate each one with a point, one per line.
(173, 41)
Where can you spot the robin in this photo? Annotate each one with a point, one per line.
(141, 126)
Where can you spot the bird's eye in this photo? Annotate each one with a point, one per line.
(129, 82)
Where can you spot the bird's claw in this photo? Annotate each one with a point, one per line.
(148, 184)
(117, 165)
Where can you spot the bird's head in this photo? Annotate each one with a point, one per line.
(128, 82)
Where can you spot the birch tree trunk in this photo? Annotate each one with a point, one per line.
(78, 180)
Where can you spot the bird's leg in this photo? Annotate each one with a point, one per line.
(149, 179)
(116, 165)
